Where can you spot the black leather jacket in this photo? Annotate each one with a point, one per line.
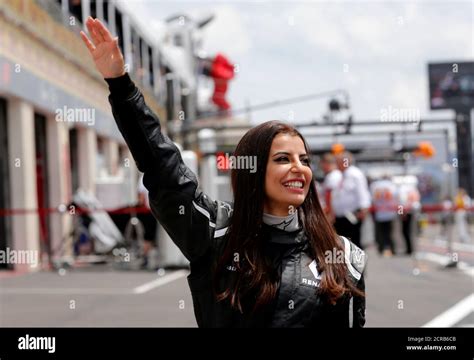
(198, 226)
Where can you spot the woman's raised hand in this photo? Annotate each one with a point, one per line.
(104, 49)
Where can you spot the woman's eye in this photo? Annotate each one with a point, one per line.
(285, 159)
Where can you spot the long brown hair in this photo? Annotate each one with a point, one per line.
(255, 275)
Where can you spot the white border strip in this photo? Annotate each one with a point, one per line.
(220, 232)
(205, 213)
(347, 254)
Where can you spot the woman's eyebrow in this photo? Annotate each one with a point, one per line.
(287, 153)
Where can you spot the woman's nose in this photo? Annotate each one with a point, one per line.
(296, 166)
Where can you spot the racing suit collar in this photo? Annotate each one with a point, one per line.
(288, 223)
(278, 236)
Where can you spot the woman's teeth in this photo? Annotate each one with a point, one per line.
(294, 184)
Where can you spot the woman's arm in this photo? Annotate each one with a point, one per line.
(356, 261)
(184, 211)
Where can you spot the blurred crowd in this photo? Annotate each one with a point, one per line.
(349, 198)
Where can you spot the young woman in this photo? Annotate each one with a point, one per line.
(270, 259)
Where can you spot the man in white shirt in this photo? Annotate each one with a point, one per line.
(385, 205)
(350, 200)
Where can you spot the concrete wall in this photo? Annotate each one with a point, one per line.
(22, 166)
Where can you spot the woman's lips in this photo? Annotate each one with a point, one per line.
(295, 190)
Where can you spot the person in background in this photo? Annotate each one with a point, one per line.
(446, 217)
(409, 201)
(332, 179)
(142, 194)
(350, 200)
(148, 221)
(384, 201)
(462, 203)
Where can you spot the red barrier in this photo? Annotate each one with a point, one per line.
(73, 210)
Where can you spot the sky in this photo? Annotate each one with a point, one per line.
(377, 51)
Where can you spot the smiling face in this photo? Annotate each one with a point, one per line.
(288, 175)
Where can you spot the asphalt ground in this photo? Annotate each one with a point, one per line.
(402, 291)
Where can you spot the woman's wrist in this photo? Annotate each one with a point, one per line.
(121, 86)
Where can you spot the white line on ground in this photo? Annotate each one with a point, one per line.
(62, 291)
(454, 314)
(444, 260)
(97, 291)
(457, 246)
(160, 281)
